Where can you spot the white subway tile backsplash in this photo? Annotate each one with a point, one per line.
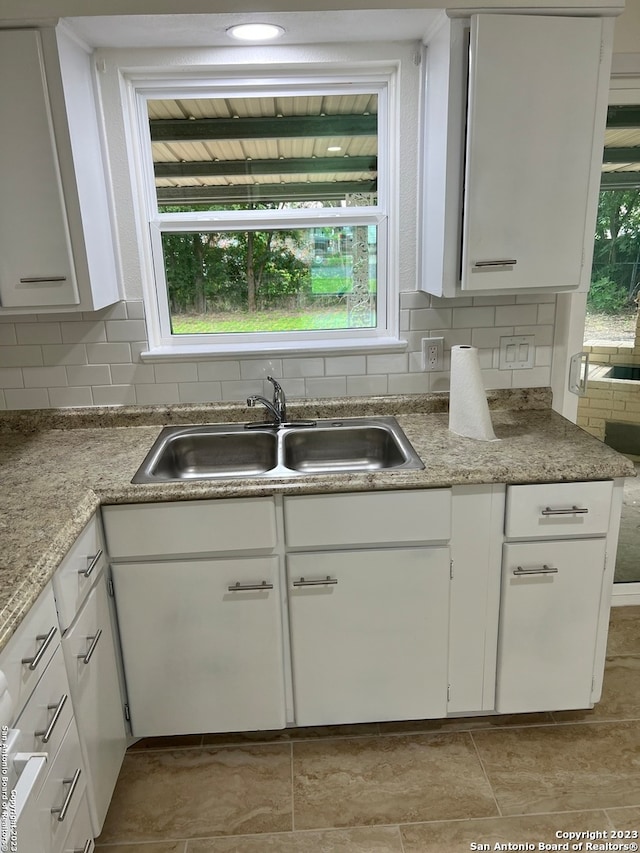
(538, 298)
(125, 330)
(20, 356)
(302, 367)
(91, 374)
(367, 386)
(211, 371)
(431, 318)
(327, 386)
(131, 374)
(255, 368)
(44, 377)
(114, 395)
(93, 357)
(182, 371)
(200, 392)
(8, 334)
(53, 354)
(392, 363)
(109, 353)
(27, 398)
(62, 398)
(472, 317)
(82, 333)
(346, 365)
(165, 392)
(546, 313)
(135, 309)
(39, 333)
(514, 315)
(11, 377)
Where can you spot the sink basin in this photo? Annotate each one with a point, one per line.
(343, 448)
(196, 453)
(320, 447)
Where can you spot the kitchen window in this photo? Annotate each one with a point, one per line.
(267, 204)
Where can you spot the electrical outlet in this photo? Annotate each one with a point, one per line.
(433, 354)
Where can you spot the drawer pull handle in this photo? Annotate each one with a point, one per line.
(511, 262)
(88, 847)
(35, 660)
(319, 582)
(45, 736)
(574, 510)
(92, 562)
(42, 279)
(243, 587)
(73, 784)
(85, 658)
(540, 570)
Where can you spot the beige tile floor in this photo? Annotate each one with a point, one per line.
(437, 786)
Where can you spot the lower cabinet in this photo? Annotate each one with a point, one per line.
(90, 658)
(202, 644)
(369, 634)
(550, 604)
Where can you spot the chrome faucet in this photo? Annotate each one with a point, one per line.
(278, 407)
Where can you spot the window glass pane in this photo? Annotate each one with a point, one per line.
(271, 281)
(283, 152)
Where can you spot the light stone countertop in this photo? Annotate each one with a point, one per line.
(57, 467)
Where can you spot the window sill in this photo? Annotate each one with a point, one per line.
(204, 352)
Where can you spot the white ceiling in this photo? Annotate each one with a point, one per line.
(210, 30)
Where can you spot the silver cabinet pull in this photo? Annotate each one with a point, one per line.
(45, 736)
(511, 262)
(574, 510)
(85, 658)
(536, 570)
(73, 784)
(318, 582)
(242, 587)
(88, 847)
(42, 279)
(92, 562)
(35, 660)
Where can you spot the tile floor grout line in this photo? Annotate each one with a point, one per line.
(293, 801)
(486, 775)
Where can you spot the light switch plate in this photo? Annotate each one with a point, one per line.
(518, 352)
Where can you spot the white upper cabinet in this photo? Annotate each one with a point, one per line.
(56, 242)
(512, 152)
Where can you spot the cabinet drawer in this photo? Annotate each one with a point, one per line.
(552, 510)
(192, 527)
(48, 713)
(368, 518)
(28, 652)
(78, 571)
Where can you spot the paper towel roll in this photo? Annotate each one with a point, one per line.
(468, 407)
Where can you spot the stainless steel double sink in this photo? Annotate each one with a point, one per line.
(291, 450)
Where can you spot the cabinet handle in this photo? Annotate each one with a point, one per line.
(540, 570)
(327, 580)
(45, 736)
(92, 562)
(85, 658)
(574, 510)
(88, 847)
(35, 660)
(242, 587)
(73, 784)
(42, 279)
(511, 262)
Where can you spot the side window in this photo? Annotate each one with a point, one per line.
(267, 208)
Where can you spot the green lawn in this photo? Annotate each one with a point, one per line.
(259, 321)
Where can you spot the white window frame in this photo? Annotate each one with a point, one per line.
(157, 84)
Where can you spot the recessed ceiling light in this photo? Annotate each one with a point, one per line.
(255, 32)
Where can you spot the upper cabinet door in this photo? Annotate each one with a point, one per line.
(35, 250)
(531, 140)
